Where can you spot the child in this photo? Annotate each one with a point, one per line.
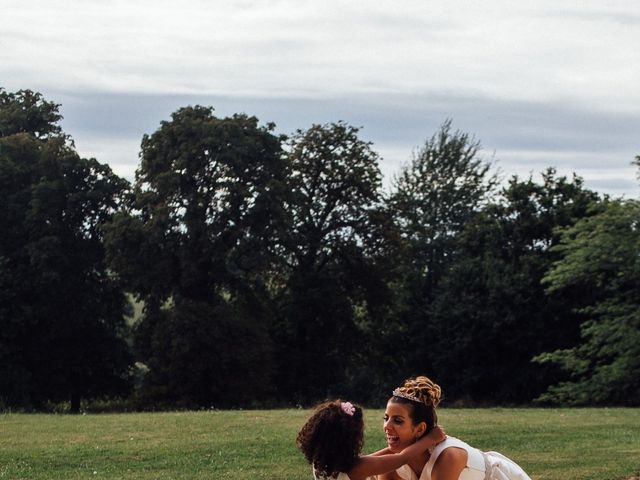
(332, 438)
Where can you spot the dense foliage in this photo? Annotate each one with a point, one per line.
(195, 246)
(275, 270)
(62, 330)
(600, 259)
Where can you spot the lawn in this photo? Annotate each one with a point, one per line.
(562, 444)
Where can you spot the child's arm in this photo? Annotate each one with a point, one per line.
(382, 463)
(384, 451)
(437, 435)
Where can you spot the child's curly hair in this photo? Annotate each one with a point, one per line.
(332, 439)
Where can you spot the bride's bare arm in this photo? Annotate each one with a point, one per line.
(450, 464)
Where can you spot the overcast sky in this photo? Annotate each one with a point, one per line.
(541, 83)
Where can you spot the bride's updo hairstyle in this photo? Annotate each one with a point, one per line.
(422, 396)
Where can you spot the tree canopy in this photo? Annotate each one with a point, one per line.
(434, 196)
(335, 184)
(491, 305)
(202, 221)
(63, 314)
(599, 258)
(276, 270)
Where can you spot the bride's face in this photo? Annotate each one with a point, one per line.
(399, 428)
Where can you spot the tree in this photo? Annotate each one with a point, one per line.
(335, 182)
(491, 314)
(62, 313)
(432, 199)
(195, 245)
(204, 354)
(28, 112)
(599, 257)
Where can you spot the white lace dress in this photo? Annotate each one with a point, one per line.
(480, 465)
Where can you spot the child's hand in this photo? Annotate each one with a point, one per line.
(437, 435)
(434, 437)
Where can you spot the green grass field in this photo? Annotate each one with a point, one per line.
(585, 444)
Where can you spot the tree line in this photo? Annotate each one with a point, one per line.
(276, 270)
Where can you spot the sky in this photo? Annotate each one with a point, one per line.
(545, 83)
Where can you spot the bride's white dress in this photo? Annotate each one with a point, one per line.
(480, 465)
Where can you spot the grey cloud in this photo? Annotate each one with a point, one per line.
(525, 136)
(605, 14)
(621, 184)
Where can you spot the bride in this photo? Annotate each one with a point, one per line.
(410, 414)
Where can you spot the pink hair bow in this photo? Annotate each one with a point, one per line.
(348, 408)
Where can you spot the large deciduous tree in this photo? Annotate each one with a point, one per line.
(491, 314)
(335, 182)
(61, 312)
(432, 199)
(204, 218)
